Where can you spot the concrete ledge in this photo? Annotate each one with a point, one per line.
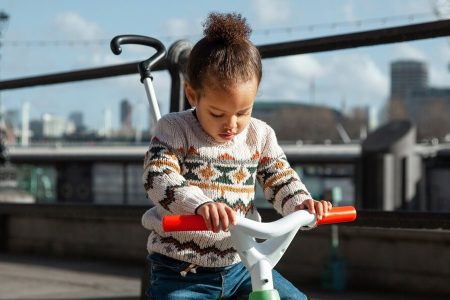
(91, 231)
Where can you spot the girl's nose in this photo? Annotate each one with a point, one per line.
(231, 122)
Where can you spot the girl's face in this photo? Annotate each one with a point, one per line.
(223, 113)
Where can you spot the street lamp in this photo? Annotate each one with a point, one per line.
(4, 17)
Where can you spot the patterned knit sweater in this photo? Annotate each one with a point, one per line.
(184, 168)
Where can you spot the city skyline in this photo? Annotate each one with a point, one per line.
(406, 76)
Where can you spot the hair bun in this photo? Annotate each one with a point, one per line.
(228, 28)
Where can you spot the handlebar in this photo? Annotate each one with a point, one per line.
(260, 257)
(264, 230)
(145, 66)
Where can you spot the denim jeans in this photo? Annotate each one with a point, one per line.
(231, 282)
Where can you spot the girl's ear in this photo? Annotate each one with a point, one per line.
(191, 94)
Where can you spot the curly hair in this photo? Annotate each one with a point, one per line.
(225, 53)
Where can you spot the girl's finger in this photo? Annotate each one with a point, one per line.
(326, 206)
(224, 222)
(319, 210)
(204, 210)
(231, 215)
(214, 218)
(310, 204)
(329, 205)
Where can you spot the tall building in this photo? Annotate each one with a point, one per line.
(407, 76)
(107, 122)
(37, 129)
(77, 118)
(13, 117)
(125, 114)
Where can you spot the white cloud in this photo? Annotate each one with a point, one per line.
(288, 78)
(439, 70)
(72, 26)
(443, 51)
(349, 12)
(355, 77)
(406, 51)
(269, 11)
(75, 26)
(441, 8)
(417, 6)
(439, 77)
(303, 66)
(178, 27)
(358, 77)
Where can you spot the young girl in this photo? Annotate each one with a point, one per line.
(206, 161)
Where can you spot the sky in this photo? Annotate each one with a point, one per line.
(50, 36)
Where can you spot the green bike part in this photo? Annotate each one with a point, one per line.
(265, 295)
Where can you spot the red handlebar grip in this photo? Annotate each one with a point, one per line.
(183, 223)
(196, 222)
(338, 215)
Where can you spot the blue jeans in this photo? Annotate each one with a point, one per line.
(166, 282)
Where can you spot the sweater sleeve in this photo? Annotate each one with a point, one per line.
(281, 184)
(163, 182)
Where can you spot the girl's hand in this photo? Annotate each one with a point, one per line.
(217, 216)
(320, 208)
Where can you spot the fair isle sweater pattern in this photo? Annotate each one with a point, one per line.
(184, 168)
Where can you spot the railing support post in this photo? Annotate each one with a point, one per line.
(177, 58)
(4, 235)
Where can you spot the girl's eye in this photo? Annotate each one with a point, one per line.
(216, 116)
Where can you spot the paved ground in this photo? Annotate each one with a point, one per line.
(32, 278)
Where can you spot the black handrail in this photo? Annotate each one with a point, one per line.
(145, 66)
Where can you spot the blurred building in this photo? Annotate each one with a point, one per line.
(78, 120)
(51, 126)
(311, 123)
(13, 117)
(11, 126)
(106, 131)
(126, 130)
(125, 114)
(414, 99)
(408, 76)
(55, 126)
(36, 128)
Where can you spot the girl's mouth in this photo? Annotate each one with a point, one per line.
(227, 136)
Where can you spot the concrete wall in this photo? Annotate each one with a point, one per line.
(105, 232)
(379, 258)
(414, 260)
